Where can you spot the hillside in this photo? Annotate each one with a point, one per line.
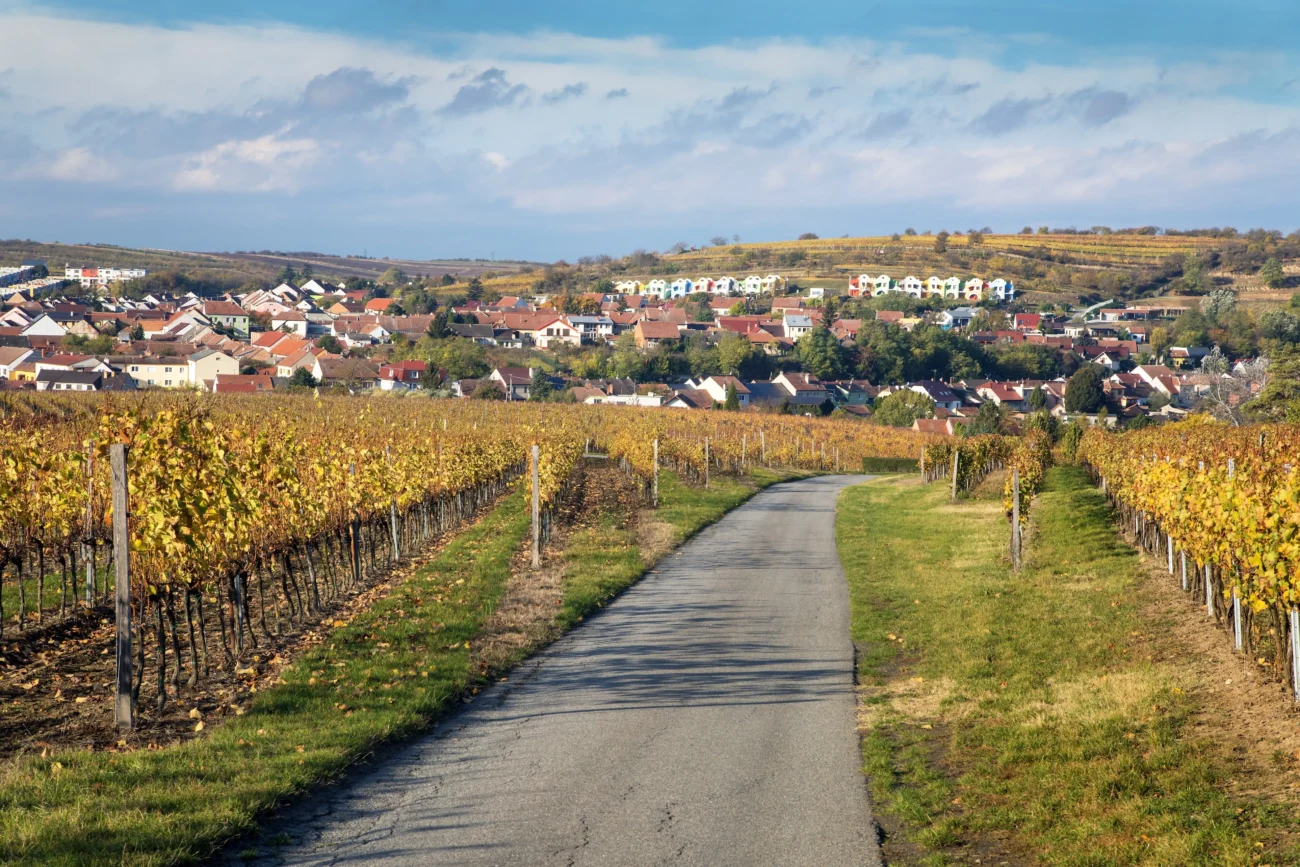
(371, 269)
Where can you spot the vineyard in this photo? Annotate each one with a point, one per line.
(1220, 507)
(249, 518)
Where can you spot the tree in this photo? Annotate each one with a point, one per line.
(1043, 230)
(448, 280)
(909, 231)
(1160, 340)
(737, 309)
(330, 343)
(137, 333)
(808, 236)
(287, 275)
(487, 390)
(903, 407)
(941, 242)
(988, 420)
(392, 276)
(1037, 399)
(1272, 273)
(475, 290)
(718, 240)
(974, 239)
(821, 354)
(540, 388)
(1229, 388)
(736, 354)
(438, 327)
(1279, 399)
(1027, 230)
(1218, 304)
(1083, 393)
(733, 398)
(302, 378)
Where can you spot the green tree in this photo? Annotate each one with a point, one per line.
(903, 407)
(302, 378)
(1272, 273)
(540, 388)
(733, 398)
(821, 354)
(736, 355)
(330, 343)
(287, 275)
(1083, 393)
(438, 328)
(941, 242)
(1037, 399)
(1279, 399)
(448, 280)
(989, 420)
(392, 277)
(474, 292)
(1218, 304)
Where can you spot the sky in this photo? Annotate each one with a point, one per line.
(554, 130)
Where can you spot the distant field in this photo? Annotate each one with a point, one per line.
(348, 266)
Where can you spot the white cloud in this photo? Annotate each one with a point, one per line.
(637, 127)
(81, 165)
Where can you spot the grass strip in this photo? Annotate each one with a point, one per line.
(1024, 710)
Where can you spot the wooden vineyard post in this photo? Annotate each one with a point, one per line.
(537, 508)
(706, 462)
(1209, 591)
(1183, 553)
(1295, 652)
(762, 438)
(955, 456)
(392, 508)
(123, 711)
(1169, 543)
(654, 483)
(1015, 518)
(355, 533)
(88, 548)
(923, 465)
(837, 459)
(1236, 597)
(742, 453)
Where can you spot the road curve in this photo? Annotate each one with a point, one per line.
(704, 718)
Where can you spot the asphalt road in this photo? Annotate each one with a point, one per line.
(704, 718)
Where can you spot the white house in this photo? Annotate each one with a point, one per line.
(657, 288)
(205, 364)
(881, 285)
(797, 325)
(911, 286)
(44, 326)
(753, 285)
(716, 386)
(555, 332)
(952, 288)
(628, 287)
(974, 289)
(725, 286)
(773, 283)
(1002, 290)
(680, 288)
(934, 288)
(291, 321)
(817, 292)
(704, 284)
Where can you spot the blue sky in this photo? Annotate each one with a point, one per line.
(554, 130)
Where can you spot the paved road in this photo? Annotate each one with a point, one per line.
(705, 718)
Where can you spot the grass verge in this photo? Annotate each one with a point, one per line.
(1021, 717)
(383, 676)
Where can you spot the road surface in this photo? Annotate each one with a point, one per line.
(704, 718)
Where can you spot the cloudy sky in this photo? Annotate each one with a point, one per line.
(571, 127)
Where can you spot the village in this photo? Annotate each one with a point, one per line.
(72, 334)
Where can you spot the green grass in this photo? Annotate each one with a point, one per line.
(1024, 707)
(384, 675)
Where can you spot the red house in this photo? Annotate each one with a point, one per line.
(402, 374)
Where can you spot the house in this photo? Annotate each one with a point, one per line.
(44, 325)
(974, 289)
(797, 325)
(690, 398)
(205, 364)
(227, 314)
(957, 317)
(939, 392)
(680, 288)
(716, 387)
(11, 357)
(726, 286)
(542, 329)
(881, 285)
(592, 328)
(934, 288)
(515, 381)
(356, 374)
(402, 374)
(1004, 395)
(650, 334)
(82, 380)
(817, 292)
(657, 287)
(304, 357)
(705, 284)
(291, 322)
(154, 372)
(1158, 377)
(1183, 357)
(1027, 321)
(484, 335)
(952, 288)
(379, 305)
(803, 389)
(628, 287)
(773, 283)
(911, 286)
(891, 317)
(941, 426)
(234, 383)
(1002, 290)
